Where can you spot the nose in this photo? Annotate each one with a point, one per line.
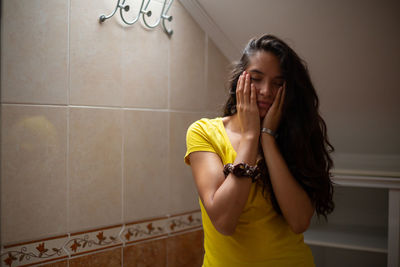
(265, 89)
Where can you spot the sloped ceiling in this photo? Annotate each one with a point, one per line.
(351, 48)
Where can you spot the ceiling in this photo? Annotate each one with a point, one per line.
(300, 23)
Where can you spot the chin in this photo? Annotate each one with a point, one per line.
(262, 114)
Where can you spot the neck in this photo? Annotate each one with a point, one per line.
(232, 123)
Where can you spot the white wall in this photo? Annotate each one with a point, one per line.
(352, 49)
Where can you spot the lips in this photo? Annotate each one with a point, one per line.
(262, 104)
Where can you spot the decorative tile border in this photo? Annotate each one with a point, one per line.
(184, 222)
(74, 244)
(84, 242)
(34, 252)
(144, 230)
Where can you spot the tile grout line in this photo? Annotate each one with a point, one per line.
(105, 107)
(68, 51)
(169, 76)
(122, 184)
(122, 167)
(2, 42)
(205, 89)
(168, 142)
(65, 243)
(68, 121)
(122, 256)
(170, 183)
(33, 104)
(123, 193)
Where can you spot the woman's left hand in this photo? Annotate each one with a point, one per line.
(274, 114)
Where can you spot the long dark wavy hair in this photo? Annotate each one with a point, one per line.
(302, 134)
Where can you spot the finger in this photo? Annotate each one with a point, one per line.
(283, 95)
(241, 87)
(275, 103)
(253, 95)
(238, 90)
(246, 92)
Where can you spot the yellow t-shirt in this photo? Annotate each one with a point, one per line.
(262, 237)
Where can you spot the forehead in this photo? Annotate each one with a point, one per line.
(265, 62)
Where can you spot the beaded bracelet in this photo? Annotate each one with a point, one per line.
(243, 170)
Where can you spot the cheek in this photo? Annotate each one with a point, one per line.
(275, 93)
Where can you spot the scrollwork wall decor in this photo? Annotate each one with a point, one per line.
(144, 12)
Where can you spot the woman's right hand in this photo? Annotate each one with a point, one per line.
(246, 105)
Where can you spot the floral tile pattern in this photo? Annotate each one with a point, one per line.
(74, 244)
(144, 230)
(90, 241)
(184, 222)
(34, 252)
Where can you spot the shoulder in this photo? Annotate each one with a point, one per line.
(205, 125)
(201, 136)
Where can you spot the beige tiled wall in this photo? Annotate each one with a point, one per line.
(33, 171)
(187, 65)
(94, 116)
(95, 160)
(146, 181)
(34, 58)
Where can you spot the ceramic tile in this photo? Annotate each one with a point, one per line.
(148, 236)
(109, 258)
(217, 76)
(187, 64)
(144, 230)
(145, 65)
(186, 249)
(96, 52)
(183, 191)
(145, 164)
(95, 167)
(33, 174)
(146, 254)
(34, 51)
(186, 221)
(63, 263)
(34, 252)
(85, 242)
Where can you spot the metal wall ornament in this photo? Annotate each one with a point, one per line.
(123, 7)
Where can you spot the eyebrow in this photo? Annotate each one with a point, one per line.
(279, 77)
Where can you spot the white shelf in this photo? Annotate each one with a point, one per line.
(348, 237)
(373, 173)
(384, 240)
(345, 179)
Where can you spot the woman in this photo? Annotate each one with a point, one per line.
(263, 169)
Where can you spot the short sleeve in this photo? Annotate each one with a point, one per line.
(197, 139)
